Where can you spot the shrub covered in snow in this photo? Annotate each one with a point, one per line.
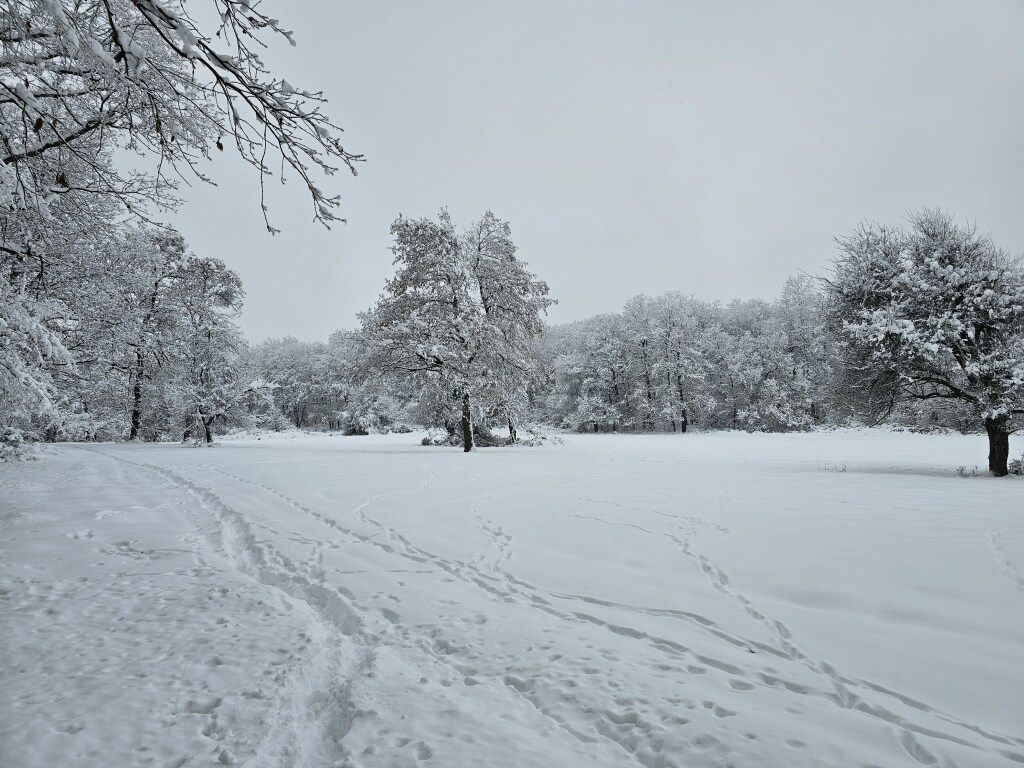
(1016, 466)
(11, 442)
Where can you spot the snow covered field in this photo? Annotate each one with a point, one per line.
(834, 599)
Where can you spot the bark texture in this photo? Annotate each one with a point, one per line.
(467, 424)
(998, 446)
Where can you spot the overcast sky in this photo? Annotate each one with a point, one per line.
(710, 148)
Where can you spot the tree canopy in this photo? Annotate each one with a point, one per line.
(937, 310)
(459, 315)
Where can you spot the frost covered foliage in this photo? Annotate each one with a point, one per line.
(81, 77)
(671, 362)
(315, 385)
(935, 311)
(302, 377)
(12, 444)
(27, 344)
(1016, 467)
(457, 319)
(121, 336)
(92, 302)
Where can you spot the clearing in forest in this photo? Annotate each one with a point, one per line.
(827, 599)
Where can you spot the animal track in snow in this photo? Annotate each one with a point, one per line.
(1006, 565)
(840, 688)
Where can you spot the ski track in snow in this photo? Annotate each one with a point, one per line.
(585, 669)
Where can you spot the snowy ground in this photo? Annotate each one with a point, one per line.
(840, 599)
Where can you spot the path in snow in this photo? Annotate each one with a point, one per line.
(699, 600)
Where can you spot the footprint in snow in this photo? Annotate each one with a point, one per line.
(202, 706)
(423, 752)
(126, 549)
(718, 711)
(83, 534)
(105, 513)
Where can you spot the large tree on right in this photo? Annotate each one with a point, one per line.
(934, 310)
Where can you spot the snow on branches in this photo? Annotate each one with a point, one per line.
(78, 79)
(942, 308)
(460, 313)
(83, 81)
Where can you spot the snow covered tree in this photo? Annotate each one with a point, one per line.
(169, 83)
(29, 346)
(41, 251)
(210, 295)
(101, 332)
(800, 315)
(675, 328)
(672, 361)
(461, 311)
(758, 363)
(640, 335)
(159, 263)
(589, 382)
(937, 311)
(300, 374)
(81, 78)
(756, 386)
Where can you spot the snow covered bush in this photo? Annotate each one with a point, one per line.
(441, 437)
(12, 443)
(1016, 467)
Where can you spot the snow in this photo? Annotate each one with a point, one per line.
(828, 599)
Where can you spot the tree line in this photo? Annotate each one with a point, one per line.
(108, 327)
(140, 342)
(921, 325)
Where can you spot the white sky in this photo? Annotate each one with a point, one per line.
(710, 148)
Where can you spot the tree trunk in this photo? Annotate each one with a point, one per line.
(467, 424)
(650, 398)
(511, 430)
(998, 446)
(140, 362)
(684, 420)
(137, 395)
(206, 428)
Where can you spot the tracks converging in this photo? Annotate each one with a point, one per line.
(366, 627)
